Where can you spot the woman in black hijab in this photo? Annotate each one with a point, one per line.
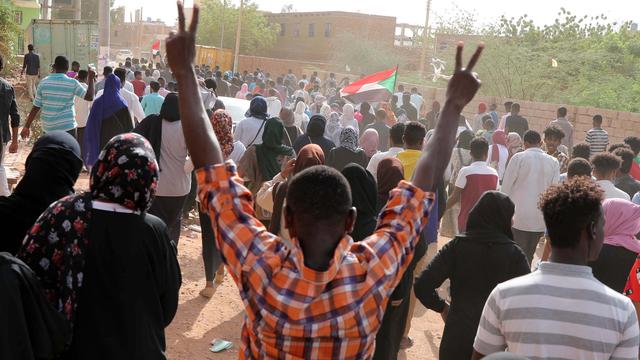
(51, 170)
(475, 262)
(364, 199)
(314, 135)
(104, 263)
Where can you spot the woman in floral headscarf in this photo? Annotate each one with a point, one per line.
(104, 263)
(231, 150)
(333, 129)
(222, 124)
(514, 144)
(348, 151)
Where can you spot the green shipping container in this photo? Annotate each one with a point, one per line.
(75, 39)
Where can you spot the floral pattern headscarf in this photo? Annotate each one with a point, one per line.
(126, 173)
(222, 126)
(349, 138)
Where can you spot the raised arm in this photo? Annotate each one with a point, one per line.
(198, 133)
(462, 87)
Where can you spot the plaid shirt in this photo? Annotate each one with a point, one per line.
(292, 310)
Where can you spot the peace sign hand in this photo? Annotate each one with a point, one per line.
(464, 84)
(181, 46)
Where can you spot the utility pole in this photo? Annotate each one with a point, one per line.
(104, 24)
(238, 32)
(224, 8)
(77, 9)
(425, 40)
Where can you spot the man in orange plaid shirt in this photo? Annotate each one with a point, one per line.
(325, 296)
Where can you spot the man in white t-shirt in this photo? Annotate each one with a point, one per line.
(605, 168)
(417, 100)
(529, 174)
(82, 108)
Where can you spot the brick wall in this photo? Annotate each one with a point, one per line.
(619, 124)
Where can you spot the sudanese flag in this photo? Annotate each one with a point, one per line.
(373, 88)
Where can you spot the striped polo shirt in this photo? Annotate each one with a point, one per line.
(558, 312)
(55, 97)
(598, 140)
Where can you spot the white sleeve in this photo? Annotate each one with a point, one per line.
(489, 338)
(264, 197)
(461, 181)
(627, 348)
(373, 165)
(137, 110)
(510, 175)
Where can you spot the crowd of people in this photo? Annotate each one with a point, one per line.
(326, 214)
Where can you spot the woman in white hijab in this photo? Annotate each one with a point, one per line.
(325, 111)
(333, 129)
(348, 118)
(301, 119)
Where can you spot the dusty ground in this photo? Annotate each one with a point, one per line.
(199, 321)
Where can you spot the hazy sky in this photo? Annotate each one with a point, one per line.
(413, 11)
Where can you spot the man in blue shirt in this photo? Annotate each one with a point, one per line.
(55, 96)
(31, 64)
(152, 103)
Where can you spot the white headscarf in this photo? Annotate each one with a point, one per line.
(325, 111)
(348, 118)
(299, 117)
(333, 129)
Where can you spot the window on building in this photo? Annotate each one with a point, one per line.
(296, 30)
(283, 29)
(17, 17)
(312, 30)
(328, 29)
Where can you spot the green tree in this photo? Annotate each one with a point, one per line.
(8, 29)
(219, 20)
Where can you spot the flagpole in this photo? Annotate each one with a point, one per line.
(395, 81)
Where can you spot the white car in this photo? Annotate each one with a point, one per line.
(236, 107)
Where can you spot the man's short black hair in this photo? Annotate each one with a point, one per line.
(508, 104)
(61, 64)
(553, 132)
(532, 137)
(626, 156)
(562, 111)
(479, 147)
(581, 150)
(75, 63)
(605, 163)
(414, 133)
(381, 114)
(515, 107)
(597, 119)
(82, 75)
(396, 133)
(617, 146)
(211, 84)
(107, 70)
(218, 74)
(319, 193)
(121, 74)
(568, 208)
(127, 64)
(30, 47)
(401, 87)
(137, 72)
(579, 167)
(634, 143)
(154, 86)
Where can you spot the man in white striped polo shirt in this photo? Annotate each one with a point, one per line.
(561, 311)
(597, 137)
(55, 97)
